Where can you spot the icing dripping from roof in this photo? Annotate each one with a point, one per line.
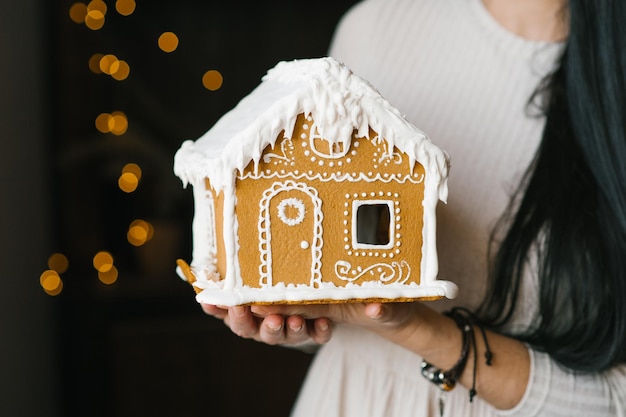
(338, 101)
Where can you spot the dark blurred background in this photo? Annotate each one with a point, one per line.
(94, 320)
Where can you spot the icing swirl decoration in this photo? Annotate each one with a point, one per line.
(286, 144)
(396, 272)
(294, 203)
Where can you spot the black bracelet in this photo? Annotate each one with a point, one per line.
(446, 380)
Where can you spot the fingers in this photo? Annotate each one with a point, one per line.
(303, 322)
(310, 311)
(273, 329)
(391, 314)
(215, 311)
(321, 330)
(242, 322)
(299, 324)
(239, 319)
(279, 330)
(294, 330)
(375, 311)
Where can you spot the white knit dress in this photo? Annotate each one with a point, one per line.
(466, 81)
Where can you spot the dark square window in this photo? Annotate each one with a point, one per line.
(373, 222)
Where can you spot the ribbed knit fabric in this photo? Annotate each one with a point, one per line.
(466, 82)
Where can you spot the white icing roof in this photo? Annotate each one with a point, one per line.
(338, 101)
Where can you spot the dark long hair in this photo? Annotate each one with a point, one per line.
(570, 209)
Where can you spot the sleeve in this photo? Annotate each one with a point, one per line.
(554, 391)
(349, 42)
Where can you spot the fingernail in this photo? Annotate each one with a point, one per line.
(323, 326)
(378, 313)
(274, 327)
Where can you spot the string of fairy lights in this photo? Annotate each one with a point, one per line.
(93, 16)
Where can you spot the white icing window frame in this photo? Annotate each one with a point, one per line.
(392, 224)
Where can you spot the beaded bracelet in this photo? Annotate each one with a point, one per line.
(446, 380)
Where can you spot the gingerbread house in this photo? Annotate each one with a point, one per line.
(314, 189)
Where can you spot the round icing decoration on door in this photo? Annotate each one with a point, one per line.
(292, 203)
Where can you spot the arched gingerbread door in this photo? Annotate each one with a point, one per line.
(290, 234)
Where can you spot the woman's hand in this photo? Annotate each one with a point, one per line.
(297, 325)
(273, 329)
(388, 319)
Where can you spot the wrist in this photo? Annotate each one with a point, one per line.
(417, 327)
(446, 379)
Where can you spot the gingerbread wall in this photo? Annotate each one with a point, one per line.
(296, 210)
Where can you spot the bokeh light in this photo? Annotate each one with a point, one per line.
(212, 80)
(107, 272)
(106, 62)
(110, 65)
(58, 262)
(94, 19)
(96, 11)
(118, 123)
(97, 6)
(139, 232)
(132, 168)
(78, 12)
(102, 122)
(128, 182)
(168, 42)
(103, 261)
(125, 7)
(120, 70)
(129, 179)
(51, 282)
(94, 63)
(115, 122)
(109, 276)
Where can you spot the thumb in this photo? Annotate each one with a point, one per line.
(389, 314)
(377, 311)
